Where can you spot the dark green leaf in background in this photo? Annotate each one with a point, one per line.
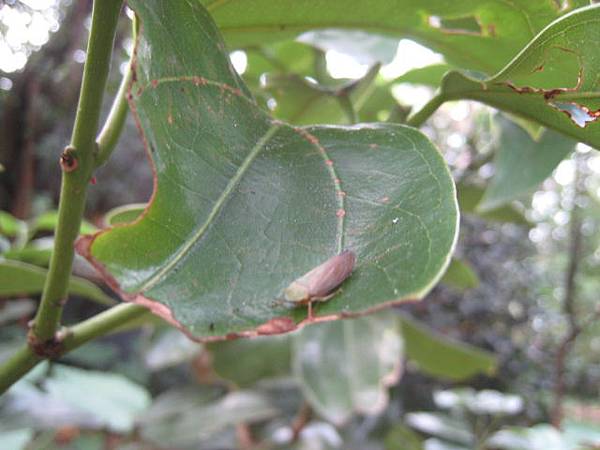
(187, 417)
(245, 205)
(10, 225)
(49, 220)
(246, 361)
(18, 278)
(469, 197)
(460, 275)
(345, 366)
(79, 397)
(442, 357)
(429, 75)
(302, 102)
(520, 163)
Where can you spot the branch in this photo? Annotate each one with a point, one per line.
(568, 303)
(421, 116)
(111, 131)
(69, 339)
(77, 162)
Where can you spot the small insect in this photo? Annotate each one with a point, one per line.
(317, 284)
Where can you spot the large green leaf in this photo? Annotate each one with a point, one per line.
(345, 366)
(521, 163)
(18, 278)
(244, 205)
(443, 357)
(552, 81)
(475, 34)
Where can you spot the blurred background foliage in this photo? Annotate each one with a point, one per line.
(505, 345)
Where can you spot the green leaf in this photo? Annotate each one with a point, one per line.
(442, 426)
(187, 417)
(123, 214)
(469, 196)
(244, 205)
(484, 402)
(382, 106)
(49, 220)
(521, 163)
(287, 57)
(400, 437)
(15, 439)
(345, 366)
(81, 397)
(460, 275)
(247, 361)
(364, 48)
(301, 102)
(18, 278)
(443, 357)
(11, 226)
(552, 81)
(438, 444)
(574, 436)
(36, 252)
(170, 349)
(469, 33)
(430, 75)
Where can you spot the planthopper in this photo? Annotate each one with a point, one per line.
(318, 284)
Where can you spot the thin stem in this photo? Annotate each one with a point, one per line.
(15, 367)
(348, 108)
(111, 131)
(102, 324)
(570, 296)
(78, 164)
(419, 118)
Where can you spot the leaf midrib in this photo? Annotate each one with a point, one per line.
(217, 207)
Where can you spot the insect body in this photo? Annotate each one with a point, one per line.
(318, 283)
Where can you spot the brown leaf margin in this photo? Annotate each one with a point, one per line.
(274, 326)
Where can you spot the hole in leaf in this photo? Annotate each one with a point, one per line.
(580, 115)
(456, 25)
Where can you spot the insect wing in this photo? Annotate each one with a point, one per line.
(324, 278)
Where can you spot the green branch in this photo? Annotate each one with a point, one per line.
(70, 338)
(109, 135)
(78, 163)
(421, 116)
(17, 366)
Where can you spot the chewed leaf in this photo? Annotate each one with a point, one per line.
(553, 80)
(244, 205)
(472, 34)
(579, 114)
